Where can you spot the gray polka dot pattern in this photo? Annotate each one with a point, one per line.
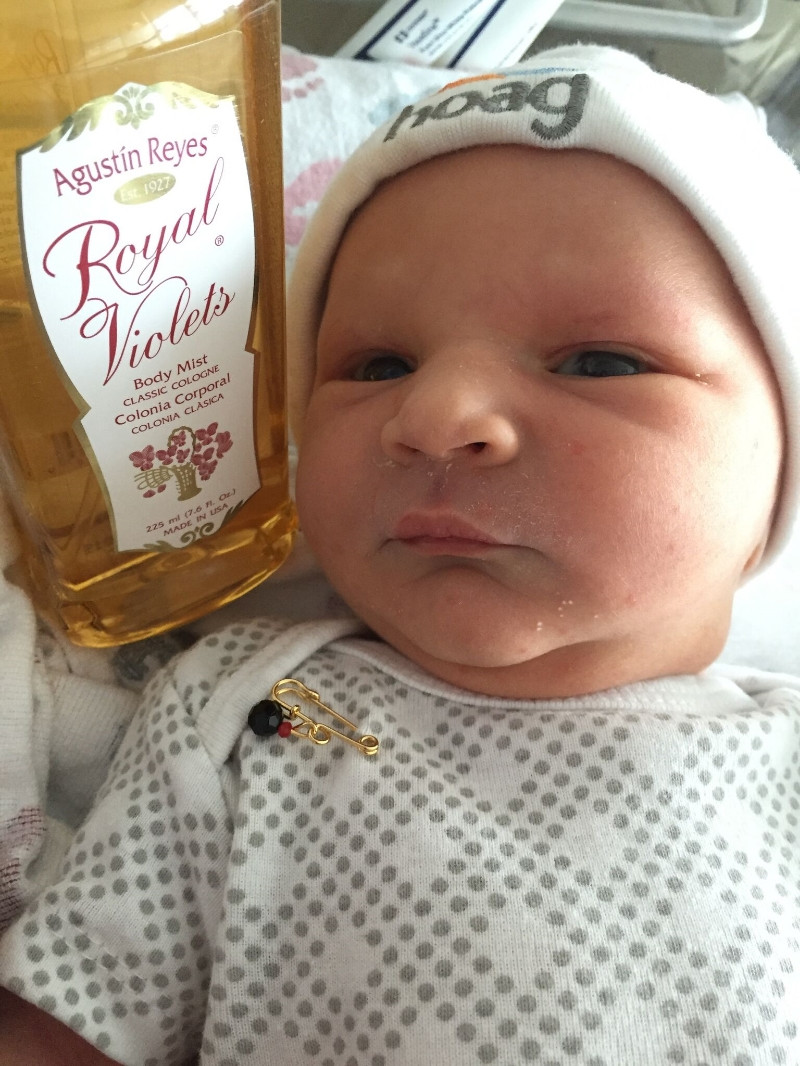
(602, 884)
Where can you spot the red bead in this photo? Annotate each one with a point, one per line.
(284, 729)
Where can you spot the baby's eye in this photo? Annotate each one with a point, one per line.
(599, 364)
(383, 367)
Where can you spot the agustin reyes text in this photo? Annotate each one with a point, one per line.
(133, 292)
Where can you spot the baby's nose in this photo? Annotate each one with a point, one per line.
(450, 411)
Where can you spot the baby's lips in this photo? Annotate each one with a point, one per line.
(440, 526)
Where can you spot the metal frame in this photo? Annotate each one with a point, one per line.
(599, 16)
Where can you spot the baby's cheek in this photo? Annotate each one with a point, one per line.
(746, 466)
(707, 511)
(312, 486)
(324, 498)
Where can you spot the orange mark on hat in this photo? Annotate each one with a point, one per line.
(468, 81)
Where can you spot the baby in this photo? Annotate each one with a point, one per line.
(542, 352)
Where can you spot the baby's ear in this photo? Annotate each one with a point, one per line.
(756, 555)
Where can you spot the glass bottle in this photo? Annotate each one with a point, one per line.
(142, 393)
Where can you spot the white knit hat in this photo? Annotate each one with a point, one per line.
(716, 159)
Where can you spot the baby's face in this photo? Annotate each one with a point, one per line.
(544, 441)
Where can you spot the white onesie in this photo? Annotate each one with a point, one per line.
(612, 880)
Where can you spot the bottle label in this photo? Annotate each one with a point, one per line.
(137, 226)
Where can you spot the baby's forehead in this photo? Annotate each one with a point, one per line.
(557, 199)
(466, 183)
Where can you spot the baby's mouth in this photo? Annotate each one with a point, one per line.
(439, 533)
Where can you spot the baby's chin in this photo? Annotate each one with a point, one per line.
(467, 628)
(489, 665)
(541, 667)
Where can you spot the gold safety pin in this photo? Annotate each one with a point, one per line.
(317, 732)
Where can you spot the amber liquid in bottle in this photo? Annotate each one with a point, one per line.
(58, 56)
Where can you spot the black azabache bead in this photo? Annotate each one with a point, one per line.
(265, 717)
